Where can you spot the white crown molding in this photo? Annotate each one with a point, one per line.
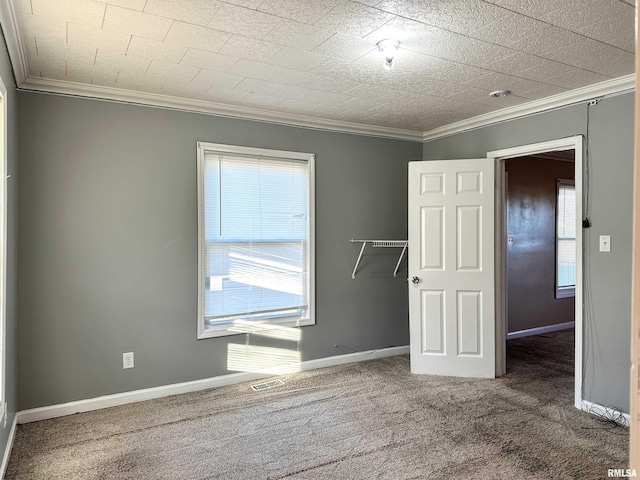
(14, 41)
(61, 87)
(202, 106)
(608, 87)
(70, 408)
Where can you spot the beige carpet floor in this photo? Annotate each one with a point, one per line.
(369, 420)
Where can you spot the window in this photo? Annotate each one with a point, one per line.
(566, 239)
(255, 234)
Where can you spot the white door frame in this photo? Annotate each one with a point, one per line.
(499, 156)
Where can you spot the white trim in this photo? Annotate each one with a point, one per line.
(3, 243)
(589, 92)
(608, 87)
(255, 152)
(309, 160)
(530, 332)
(587, 405)
(8, 447)
(560, 144)
(202, 106)
(569, 143)
(201, 252)
(500, 272)
(105, 401)
(354, 357)
(13, 39)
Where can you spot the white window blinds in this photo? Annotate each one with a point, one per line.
(256, 239)
(566, 234)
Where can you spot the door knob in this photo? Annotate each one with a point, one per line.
(415, 280)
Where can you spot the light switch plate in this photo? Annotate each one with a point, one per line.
(605, 243)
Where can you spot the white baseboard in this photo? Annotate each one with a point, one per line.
(540, 330)
(9, 446)
(587, 406)
(354, 357)
(60, 410)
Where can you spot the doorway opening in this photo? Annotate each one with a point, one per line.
(541, 266)
(540, 229)
(534, 317)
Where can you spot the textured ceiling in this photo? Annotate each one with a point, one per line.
(318, 58)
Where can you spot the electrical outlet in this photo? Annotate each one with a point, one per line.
(127, 360)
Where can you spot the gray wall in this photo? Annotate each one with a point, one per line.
(12, 244)
(607, 346)
(108, 240)
(108, 252)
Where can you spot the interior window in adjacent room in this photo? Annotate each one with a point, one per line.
(565, 239)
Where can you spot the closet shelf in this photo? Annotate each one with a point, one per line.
(381, 244)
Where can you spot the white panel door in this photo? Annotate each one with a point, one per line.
(451, 267)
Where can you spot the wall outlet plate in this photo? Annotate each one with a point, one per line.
(605, 243)
(127, 360)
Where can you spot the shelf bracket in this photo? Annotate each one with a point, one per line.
(395, 272)
(381, 244)
(355, 269)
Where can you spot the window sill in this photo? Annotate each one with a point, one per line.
(231, 329)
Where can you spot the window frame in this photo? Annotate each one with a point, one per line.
(569, 291)
(216, 148)
(3, 249)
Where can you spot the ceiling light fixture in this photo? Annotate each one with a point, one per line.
(388, 48)
(499, 93)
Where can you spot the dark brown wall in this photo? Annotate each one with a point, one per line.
(531, 203)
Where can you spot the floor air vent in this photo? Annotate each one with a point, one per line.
(266, 385)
